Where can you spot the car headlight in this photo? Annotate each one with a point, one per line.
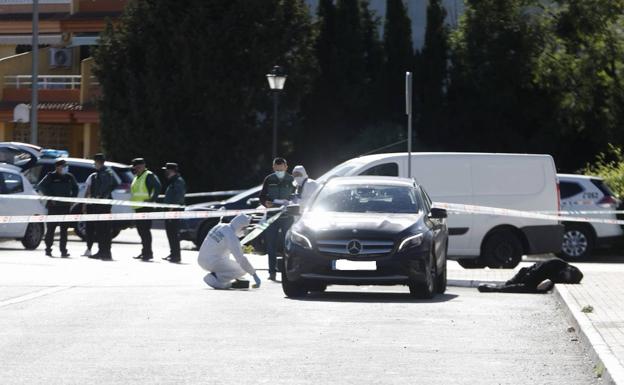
(300, 239)
(411, 241)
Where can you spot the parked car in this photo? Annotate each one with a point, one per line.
(35, 162)
(587, 193)
(514, 181)
(367, 231)
(12, 182)
(195, 229)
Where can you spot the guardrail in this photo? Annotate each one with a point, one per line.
(48, 82)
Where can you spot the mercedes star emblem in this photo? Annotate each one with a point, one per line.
(354, 247)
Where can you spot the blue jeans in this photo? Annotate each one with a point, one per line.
(274, 239)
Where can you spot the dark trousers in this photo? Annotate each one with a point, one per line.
(144, 228)
(90, 236)
(51, 228)
(171, 227)
(274, 239)
(102, 230)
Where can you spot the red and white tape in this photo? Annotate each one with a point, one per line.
(485, 210)
(129, 216)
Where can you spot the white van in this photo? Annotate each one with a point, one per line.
(513, 181)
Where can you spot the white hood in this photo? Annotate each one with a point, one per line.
(239, 223)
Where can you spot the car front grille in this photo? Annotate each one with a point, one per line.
(348, 247)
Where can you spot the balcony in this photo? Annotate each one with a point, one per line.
(52, 88)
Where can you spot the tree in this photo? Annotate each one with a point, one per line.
(433, 76)
(187, 84)
(399, 58)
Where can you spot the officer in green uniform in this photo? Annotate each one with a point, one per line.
(145, 187)
(174, 194)
(277, 190)
(58, 183)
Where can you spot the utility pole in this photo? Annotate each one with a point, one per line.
(34, 84)
(408, 111)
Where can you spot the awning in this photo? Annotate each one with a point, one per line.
(27, 39)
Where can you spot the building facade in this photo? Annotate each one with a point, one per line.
(67, 91)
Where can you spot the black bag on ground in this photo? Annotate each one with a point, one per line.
(534, 279)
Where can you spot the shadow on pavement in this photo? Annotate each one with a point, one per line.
(367, 297)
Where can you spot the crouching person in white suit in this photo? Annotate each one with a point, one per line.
(217, 250)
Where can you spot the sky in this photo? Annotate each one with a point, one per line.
(417, 12)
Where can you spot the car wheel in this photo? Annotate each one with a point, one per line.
(441, 280)
(293, 289)
(473, 263)
(317, 287)
(426, 289)
(502, 249)
(33, 236)
(578, 242)
(81, 230)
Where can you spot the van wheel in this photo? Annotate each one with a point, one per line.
(33, 236)
(426, 289)
(578, 242)
(473, 263)
(502, 249)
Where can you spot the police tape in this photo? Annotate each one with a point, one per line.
(210, 194)
(485, 210)
(4, 219)
(93, 201)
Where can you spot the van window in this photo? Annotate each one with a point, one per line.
(385, 169)
(10, 183)
(569, 189)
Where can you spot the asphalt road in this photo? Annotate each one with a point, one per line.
(80, 321)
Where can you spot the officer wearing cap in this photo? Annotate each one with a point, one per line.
(145, 188)
(58, 183)
(103, 182)
(174, 194)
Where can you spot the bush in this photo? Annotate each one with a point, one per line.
(609, 165)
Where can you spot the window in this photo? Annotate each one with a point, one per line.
(82, 172)
(385, 169)
(600, 184)
(569, 189)
(426, 201)
(367, 199)
(10, 183)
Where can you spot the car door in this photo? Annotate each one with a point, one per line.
(436, 225)
(21, 155)
(11, 183)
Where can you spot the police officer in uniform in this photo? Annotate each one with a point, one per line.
(145, 188)
(58, 183)
(277, 190)
(174, 194)
(103, 182)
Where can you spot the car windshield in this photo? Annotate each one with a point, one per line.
(124, 173)
(367, 199)
(245, 194)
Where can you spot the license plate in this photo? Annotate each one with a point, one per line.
(344, 264)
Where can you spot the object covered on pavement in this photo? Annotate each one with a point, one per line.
(539, 278)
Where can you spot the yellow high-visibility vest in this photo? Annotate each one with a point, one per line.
(138, 188)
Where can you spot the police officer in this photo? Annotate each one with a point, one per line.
(103, 182)
(145, 188)
(58, 183)
(174, 194)
(277, 190)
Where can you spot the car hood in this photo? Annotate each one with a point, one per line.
(205, 206)
(328, 221)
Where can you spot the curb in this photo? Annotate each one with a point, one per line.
(607, 365)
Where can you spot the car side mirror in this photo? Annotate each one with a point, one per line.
(253, 202)
(293, 210)
(438, 213)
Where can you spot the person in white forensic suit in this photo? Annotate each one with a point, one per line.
(221, 254)
(305, 186)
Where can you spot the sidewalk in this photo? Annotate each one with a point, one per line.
(601, 291)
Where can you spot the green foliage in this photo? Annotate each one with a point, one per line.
(609, 166)
(181, 84)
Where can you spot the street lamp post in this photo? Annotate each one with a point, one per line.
(34, 102)
(277, 80)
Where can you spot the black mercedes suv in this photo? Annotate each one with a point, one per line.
(363, 231)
